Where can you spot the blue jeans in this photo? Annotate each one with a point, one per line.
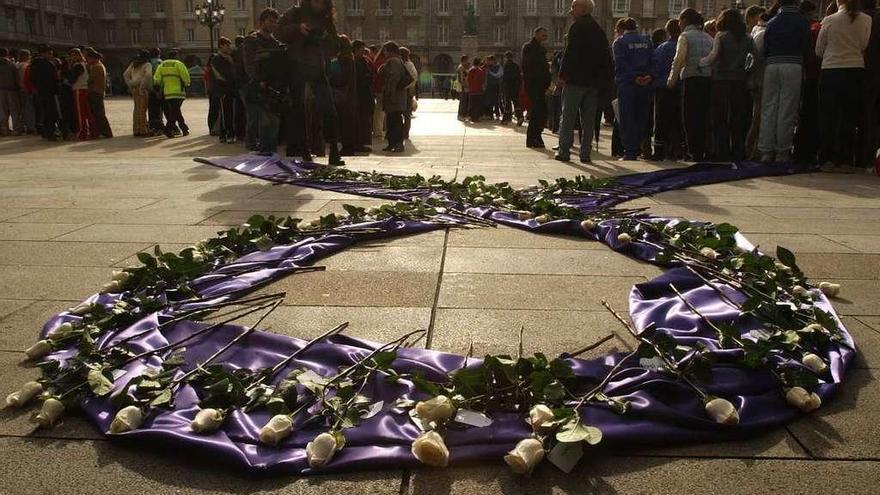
(249, 96)
(634, 103)
(263, 119)
(779, 108)
(583, 101)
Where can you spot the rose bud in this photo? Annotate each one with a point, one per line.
(539, 415)
(80, 309)
(436, 409)
(525, 456)
(722, 411)
(814, 362)
(320, 450)
(624, 238)
(111, 287)
(799, 291)
(542, 218)
(430, 449)
(588, 224)
(207, 421)
(479, 201)
(25, 394)
(38, 350)
(782, 267)
(121, 276)
(50, 413)
(803, 400)
(829, 289)
(525, 215)
(60, 332)
(277, 429)
(709, 253)
(198, 257)
(498, 201)
(127, 419)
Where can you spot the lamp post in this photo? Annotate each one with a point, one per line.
(210, 14)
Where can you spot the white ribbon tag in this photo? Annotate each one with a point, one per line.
(566, 455)
(472, 418)
(374, 410)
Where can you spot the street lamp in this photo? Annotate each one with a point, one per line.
(210, 14)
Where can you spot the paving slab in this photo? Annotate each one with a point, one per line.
(55, 283)
(20, 328)
(507, 237)
(358, 288)
(141, 233)
(36, 232)
(22, 253)
(546, 261)
(797, 243)
(861, 243)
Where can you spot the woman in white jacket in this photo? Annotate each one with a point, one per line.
(138, 77)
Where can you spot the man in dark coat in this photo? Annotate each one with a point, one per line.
(365, 104)
(510, 84)
(585, 72)
(536, 76)
(44, 77)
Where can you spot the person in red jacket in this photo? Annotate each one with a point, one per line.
(476, 81)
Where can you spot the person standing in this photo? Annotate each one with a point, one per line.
(476, 82)
(461, 73)
(730, 117)
(240, 114)
(342, 80)
(138, 76)
(395, 80)
(693, 45)
(378, 59)
(492, 98)
(265, 87)
(44, 78)
(536, 78)
(172, 77)
(756, 16)
(510, 84)
(364, 83)
(154, 103)
(10, 105)
(868, 141)
(786, 44)
(842, 42)
(309, 31)
(668, 131)
(97, 87)
(225, 89)
(411, 90)
(26, 93)
(632, 73)
(585, 74)
(78, 80)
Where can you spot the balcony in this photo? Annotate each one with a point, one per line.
(561, 12)
(354, 13)
(531, 13)
(240, 14)
(132, 15)
(442, 13)
(411, 13)
(160, 15)
(501, 13)
(383, 13)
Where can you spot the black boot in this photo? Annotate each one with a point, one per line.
(335, 159)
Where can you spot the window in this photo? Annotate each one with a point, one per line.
(188, 6)
(134, 35)
(384, 4)
(412, 4)
(412, 33)
(50, 26)
(443, 6)
(562, 6)
(30, 23)
(239, 5)
(675, 8)
(109, 35)
(500, 6)
(357, 33)
(443, 33)
(531, 6)
(620, 8)
(648, 8)
(355, 5)
(107, 7)
(559, 33)
(9, 20)
(160, 6)
(500, 34)
(132, 6)
(68, 29)
(471, 3)
(708, 8)
(160, 35)
(190, 34)
(384, 35)
(242, 31)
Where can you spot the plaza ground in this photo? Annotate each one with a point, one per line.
(70, 212)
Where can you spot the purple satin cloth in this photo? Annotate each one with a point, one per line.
(663, 410)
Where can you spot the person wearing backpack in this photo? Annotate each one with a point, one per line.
(172, 78)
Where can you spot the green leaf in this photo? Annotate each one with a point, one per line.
(164, 398)
(574, 431)
(384, 359)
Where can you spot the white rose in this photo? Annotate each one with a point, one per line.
(539, 415)
(722, 411)
(799, 291)
(198, 257)
(437, 409)
(542, 218)
(709, 253)
(321, 450)
(525, 215)
(128, 418)
(25, 394)
(525, 456)
(60, 332)
(588, 224)
(624, 238)
(479, 201)
(814, 362)
(277, 429)
(498, 201)
(38, 350)
(803, 400)
(121, 276)
(111, 287)
(80, 309)
(430, 449)
(782, 267)
(207, 421)
(812, 327)
(50, 413)
(829, 289)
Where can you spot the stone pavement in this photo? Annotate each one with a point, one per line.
(69, 212)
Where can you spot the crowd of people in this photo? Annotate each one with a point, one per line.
(771, 85)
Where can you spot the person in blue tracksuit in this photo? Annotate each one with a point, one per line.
(668, 131)
(632, 74)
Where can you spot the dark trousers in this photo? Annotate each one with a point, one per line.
(868, 138)
(510, 103)
(394, 128)
(240, 117)
(462, 105)
(407, 117)
(840, 100)
(296, 128)
(67, 105)
(226, 115)
(214, 110)
(695, 103)
(347, 111)
(96, 104)
(806, 137)
(537, 115)
(365, 109)
(668, 131)
(174, 117)
(49, 113)
(490, 101)
(730, 119)
(634, 107)
(154, 112)
(475, 106)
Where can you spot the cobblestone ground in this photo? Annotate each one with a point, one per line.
(69, 212)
